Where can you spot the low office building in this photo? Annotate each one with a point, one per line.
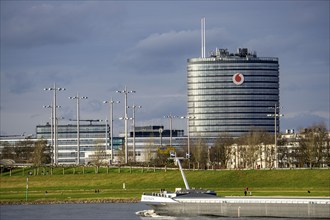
(94, 144)
(149, 141)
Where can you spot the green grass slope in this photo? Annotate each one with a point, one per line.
(77, 185)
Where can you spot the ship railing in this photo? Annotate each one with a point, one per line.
(160, 195)
(263, 201)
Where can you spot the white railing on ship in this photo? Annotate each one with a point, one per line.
(268, 201)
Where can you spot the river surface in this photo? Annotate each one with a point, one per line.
(97, 211)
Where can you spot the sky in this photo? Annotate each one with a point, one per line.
(94, 48)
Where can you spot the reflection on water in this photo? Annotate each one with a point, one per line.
(99, 211)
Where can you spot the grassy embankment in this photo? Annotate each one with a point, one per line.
(85, 185)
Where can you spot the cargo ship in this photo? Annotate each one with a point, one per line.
(200, 202)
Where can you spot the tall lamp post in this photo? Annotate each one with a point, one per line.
(106, 137)
(53, 120)
(125, 92)
(51, 131)
(188, 133)
(111, 102)
(77, 97)
(134, 107)
(160, 135)
(275, 115)
(170, 117)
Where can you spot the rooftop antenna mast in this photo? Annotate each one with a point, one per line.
(203, 37)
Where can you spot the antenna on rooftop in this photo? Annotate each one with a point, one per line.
(203, 37)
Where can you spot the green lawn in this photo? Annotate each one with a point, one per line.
(84, 184)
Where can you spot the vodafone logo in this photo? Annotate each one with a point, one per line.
(238, 78)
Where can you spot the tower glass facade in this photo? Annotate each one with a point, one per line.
(232, 93)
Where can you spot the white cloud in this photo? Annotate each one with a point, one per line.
(302, 119)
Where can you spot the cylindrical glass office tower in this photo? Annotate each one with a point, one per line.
(232, 93)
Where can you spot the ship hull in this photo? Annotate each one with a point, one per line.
(245, 208)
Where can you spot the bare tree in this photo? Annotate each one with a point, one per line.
(148, 150)
(240, 153)
(99, 153)
(23, 151)
(283, 153)
(314, 143)
(199, 152)
(327, 151)
(252, 151)
(39, 155)
(223, 150)
(163, 153)
(255, 147)
(7, 151)
(119, 155)
(161, 159)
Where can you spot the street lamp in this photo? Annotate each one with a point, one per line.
(106, 137)
(126, 144)
(111, 102)
(125, 92)
(134, 107)
(160, 135)
(170, 117)
(51, 131)
(78, 124)
(275, 115)
(188, 132)
(54, 89)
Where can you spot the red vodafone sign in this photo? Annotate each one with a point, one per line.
(238, 78)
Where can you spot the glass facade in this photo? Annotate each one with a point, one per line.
(93, 138)
(232, 93)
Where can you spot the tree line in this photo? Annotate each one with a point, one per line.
(256, 149)
(27, 151)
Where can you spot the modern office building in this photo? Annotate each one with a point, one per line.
(232, 93)
(93, 141)
(150, 140)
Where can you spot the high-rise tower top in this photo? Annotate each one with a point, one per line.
(241, 55)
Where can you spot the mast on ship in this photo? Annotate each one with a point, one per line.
(177, 160)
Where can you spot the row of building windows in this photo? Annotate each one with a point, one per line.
(237, 97)
(245, 92)
(73, 129)
(252, 82)
(231, 104)
(71, 135)
(229, 72)
(212, 112)
(231, 86)
(207, 106)
(221, 122)
(204, 62)
(82, 148)
(216, 129)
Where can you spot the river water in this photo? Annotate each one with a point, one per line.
(97, 211)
